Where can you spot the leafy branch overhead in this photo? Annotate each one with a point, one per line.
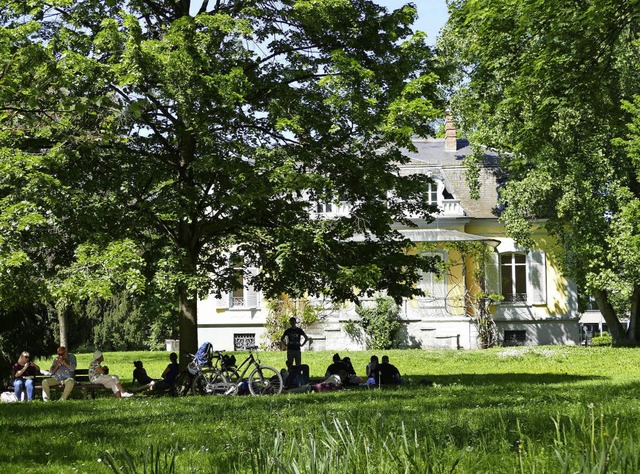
(551, 85)
(200, 133)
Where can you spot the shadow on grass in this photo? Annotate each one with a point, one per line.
(506, 379)
(459, 391)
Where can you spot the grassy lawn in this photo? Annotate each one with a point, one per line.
(550, 409)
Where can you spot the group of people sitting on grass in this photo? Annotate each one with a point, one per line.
(339, 374)
(166, 381)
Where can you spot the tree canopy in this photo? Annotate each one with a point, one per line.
(553, 85)
(147, 146)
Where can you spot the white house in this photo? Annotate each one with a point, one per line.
(539, 305)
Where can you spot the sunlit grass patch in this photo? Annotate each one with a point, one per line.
(552, 409)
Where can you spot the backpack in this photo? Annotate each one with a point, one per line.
(203, 355)
(228, 361)
(298, 376)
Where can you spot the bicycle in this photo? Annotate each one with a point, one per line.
(263, 379)
(200, 380)
(209, 380)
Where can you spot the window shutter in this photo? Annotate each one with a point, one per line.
(492, 274)
(251, 295)
(223, 301)
(425, 283)
(439, 287)
(536, 278)
(434, 285)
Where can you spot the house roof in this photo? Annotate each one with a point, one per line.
(445, 235)
(431, 151)
(431, 158)
(435, 235)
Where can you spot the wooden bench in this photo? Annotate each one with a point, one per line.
(82, 384)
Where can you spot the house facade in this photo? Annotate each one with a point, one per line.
(536, 303)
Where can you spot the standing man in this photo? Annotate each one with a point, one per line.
(63, 370)
(294, 337)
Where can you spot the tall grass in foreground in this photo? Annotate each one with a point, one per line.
(152, 461)
(591, 446)
(342, 449)
(585, 447)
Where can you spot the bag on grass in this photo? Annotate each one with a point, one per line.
(298, 376)
(8, 397)
(228, 361)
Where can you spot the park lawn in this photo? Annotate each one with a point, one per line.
(543, 409)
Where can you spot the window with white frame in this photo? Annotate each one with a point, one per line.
(238, 293)
(517, 274)
(244, 295)
(324, 207)
(434, 285)
(432, 192)
(513, 276)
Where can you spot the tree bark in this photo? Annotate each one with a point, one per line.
(633, 333)
(61, 310)
(188, 325)
(616, 329)
(187, 298)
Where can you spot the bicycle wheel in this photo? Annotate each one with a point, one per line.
(210, 383)
(265, 380)
(231, 374)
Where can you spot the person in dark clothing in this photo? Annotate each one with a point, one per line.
(352, 378)
(372, 374)
(295, 376)
(140, 374)
(294, 337)
(386, 373)
(349, 366)
(169, 375)
(338, 367)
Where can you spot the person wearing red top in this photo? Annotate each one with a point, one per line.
(23, 373)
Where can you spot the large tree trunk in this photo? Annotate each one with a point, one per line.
(187, 298)
(188, 325)
(188, 239)
(617, 331)
(633, 333)
(61, 310)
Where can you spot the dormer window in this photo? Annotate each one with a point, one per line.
(432, 192)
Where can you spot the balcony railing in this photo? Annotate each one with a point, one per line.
(451, 207)
(237, 302)
(515, 298)
(447, 208)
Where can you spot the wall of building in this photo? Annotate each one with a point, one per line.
(223, 326)
(435, 321)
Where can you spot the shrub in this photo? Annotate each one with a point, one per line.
(280, 311)
(378, 325)
(604, 339)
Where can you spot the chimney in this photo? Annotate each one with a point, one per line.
(450, 140)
